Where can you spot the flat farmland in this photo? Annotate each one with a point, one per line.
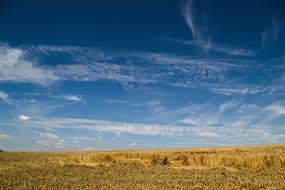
(261, 167)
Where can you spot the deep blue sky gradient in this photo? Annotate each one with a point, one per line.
(93, 75)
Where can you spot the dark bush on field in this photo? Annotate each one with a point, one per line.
(156, 160)
(165, 161)
(183, 158)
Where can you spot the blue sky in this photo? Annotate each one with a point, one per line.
(101, 75)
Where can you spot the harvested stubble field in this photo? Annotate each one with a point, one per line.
(260, 167)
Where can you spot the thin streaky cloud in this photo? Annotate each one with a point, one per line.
(271, 33)
(210, 74)
(50, 140)
(73, 98)
(208, 46)
(16, 68)
(198, 73)
(201, 38)
(187, 13)
(276, 109)
(225, 134)
(24, 118)
(5, 97)
(4, 136)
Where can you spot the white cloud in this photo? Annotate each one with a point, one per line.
(208, 134)
(195, 120)
(283, 75)
(24, 118)
(209, 125)
(112, 127)
(73, 98)
(207, 46)
(91, 64)
(270, 34)
(10, 56)
(50, 140)
(133, 144)
(89, 148)
(201, 39)
(139, 145)
(243, 90)
(248, 108)
(226, 106)
(100, 71)
(77, 139)
(193, 71)
(187, 12)
(5, 136)
(276, 109)
(136, 145)
(4, 97)
(246, 124)
(15, 67)
(221, 48)
(190, 121)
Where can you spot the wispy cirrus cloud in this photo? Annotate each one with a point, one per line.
(201, 37)
(139, 145)
(5, 97)
(50, 140)
(24, 118)
(53, 123)
(73, 98)
(77, 139)
(252, 119)
(14, 67)
(4, 136)
(90, 64)
(100, 71)
(270, 34)
(189, 16)
(109, 127)
(276, 109)
(236, 114)
(207, 46)
(230, 122)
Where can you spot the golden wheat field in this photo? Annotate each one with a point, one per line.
(260, 167)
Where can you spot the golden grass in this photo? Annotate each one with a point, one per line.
(261, 167)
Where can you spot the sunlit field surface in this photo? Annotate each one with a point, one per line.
(260, 167)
